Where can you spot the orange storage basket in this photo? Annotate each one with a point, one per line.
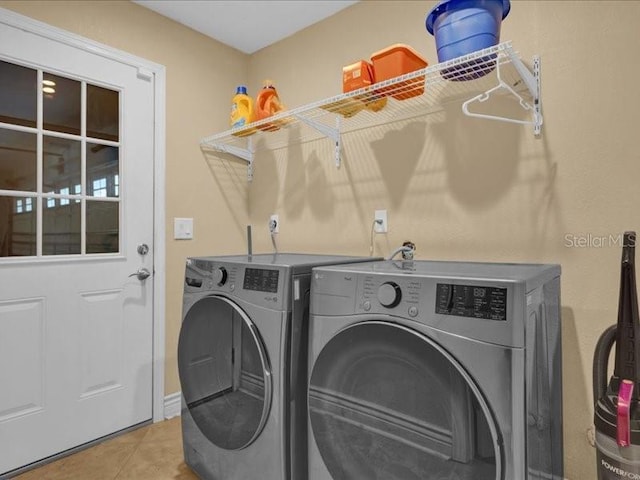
(357, 75)
(397, 60)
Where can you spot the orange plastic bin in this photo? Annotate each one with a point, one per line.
(397, 60)
(359, 75)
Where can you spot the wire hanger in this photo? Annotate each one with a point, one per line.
(483, 97)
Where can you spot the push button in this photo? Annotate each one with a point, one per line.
(413, 311)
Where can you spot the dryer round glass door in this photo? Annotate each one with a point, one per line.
(224, 373)
(387, 403)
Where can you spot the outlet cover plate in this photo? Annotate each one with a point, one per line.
(274, 218)
(384, 226)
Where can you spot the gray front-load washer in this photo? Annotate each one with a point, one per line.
(242, 359)
(435, 370)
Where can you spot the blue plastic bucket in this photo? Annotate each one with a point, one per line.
(461, 27)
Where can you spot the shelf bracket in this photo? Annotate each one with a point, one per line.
(246, 154)
(537, 99)
(327, 131)
(531, 81)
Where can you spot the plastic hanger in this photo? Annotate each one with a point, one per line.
(483, 97)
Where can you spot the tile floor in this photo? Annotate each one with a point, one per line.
(153, 452)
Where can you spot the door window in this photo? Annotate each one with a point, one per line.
(386, 403)
(224, 373)
(60, 166)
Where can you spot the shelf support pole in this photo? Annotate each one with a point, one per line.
(327, 131)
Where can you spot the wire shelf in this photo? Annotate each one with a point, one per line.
(472, 77)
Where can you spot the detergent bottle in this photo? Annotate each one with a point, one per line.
(268, 104)
(242, 111)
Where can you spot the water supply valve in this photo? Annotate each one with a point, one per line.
(407, 254)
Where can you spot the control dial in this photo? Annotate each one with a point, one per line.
(220, 276)
(389, 294)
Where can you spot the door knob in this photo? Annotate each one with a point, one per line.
(143, 249)
(142, 274)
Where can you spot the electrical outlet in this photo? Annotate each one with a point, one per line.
(274, 224)
(380, 218)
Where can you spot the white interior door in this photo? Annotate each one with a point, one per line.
(76, 200)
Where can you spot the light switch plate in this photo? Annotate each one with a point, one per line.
(183, 228)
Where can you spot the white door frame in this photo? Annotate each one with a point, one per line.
(146, 70)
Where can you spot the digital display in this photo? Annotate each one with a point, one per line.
(470, 301)
(261, 280)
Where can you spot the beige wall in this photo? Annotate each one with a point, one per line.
(459, 188)
(464, 188)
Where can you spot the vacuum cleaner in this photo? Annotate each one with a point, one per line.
(616, 404)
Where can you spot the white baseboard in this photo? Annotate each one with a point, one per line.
(172, 405)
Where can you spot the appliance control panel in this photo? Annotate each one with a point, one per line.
(471, 301)
(396, 295)
(408, 295)
(206, 275)
(261, 280)
(259, 285)
(264, 286)
(485, 307)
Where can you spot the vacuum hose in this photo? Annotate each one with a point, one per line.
(601, 360)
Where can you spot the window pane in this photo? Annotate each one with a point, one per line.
(18, 95)
(61, 166)
(61, 104)
(103, 113)
(17, 226)
(103, 169)
(18, 160)
(61, 228)
(103, 227)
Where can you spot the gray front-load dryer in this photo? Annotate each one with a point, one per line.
(242, 359)
(435, 370)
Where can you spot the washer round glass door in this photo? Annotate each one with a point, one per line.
(224, 373)
(387, 403)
